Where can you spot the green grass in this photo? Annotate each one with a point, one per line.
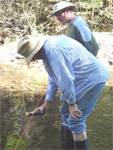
(12, 141)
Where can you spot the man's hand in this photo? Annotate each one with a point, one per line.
(44, 107)
(75, 112)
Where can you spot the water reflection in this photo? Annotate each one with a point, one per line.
(44, 132)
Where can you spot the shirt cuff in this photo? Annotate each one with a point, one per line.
(49, 98)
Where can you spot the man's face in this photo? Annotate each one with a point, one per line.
(61, 16)
(38, 55)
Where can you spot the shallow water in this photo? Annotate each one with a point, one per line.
(44, 132)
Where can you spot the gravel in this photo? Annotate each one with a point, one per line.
(8, 52)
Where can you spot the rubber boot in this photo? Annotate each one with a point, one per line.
(81, 145)
(67, 139)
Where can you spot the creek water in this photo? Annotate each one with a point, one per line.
(44, 132)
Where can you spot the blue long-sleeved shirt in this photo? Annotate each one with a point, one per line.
(71, 68)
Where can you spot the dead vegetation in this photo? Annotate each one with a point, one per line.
(21, 17)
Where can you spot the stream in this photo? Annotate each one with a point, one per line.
(44, 132)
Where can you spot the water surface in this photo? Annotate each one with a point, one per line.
(44, 132)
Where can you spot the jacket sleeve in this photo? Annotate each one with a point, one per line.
(51, 90)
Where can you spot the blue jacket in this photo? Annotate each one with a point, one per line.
(71, 68)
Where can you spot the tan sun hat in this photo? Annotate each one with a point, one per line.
(29, 45)
(60, 6)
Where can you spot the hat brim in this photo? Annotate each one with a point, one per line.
(36, 49)
(55, 13)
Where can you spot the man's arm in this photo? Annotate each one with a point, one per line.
(44, 108)
(51, 90)
(50, 94)
(75, 112)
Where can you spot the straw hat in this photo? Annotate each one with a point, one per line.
(60, 6)
(29, 45)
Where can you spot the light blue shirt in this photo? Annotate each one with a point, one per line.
(79, 30)
(71, 68)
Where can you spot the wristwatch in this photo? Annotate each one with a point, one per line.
(72, 104)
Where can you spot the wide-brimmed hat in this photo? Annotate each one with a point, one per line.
(60, 6)
(29, 45)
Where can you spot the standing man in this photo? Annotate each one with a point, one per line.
(79, 30)
(79, 75)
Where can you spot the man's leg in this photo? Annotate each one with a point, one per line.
(78, 127)
(67, 137)
(81, 141)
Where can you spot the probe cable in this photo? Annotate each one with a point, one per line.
(29, 121)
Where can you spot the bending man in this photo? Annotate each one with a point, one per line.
(79, 75)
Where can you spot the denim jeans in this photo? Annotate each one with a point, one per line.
(86, 104)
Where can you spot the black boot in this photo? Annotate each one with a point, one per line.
(81, 145)
(67, 139)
